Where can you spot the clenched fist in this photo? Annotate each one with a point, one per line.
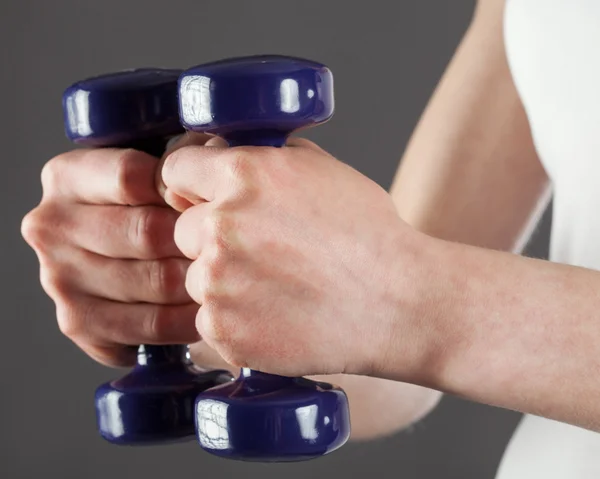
(297, 258)
(105, 241)
(293, 256)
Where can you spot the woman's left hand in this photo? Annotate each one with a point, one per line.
(301, 264)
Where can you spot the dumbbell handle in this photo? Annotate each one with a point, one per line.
(255, 138)
(153, 146)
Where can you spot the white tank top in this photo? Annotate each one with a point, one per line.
(553, 49)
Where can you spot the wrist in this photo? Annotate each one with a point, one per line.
(427, 285)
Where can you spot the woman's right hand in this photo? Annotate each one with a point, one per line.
(104, 238)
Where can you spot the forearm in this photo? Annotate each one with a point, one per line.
(514, 332)
(470, 172)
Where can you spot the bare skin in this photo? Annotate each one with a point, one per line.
(472, 143)
(474, 321)
(104, 237)
(406, 297)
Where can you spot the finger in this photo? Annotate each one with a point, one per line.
(206, 357)
(124, 232)
(197, 172)
(199, 225)
(213, 276)
(129, 281)
(187, 139)
(190, 231)
(195, 282)
(103, 176)
(115, 356)
(109, 323)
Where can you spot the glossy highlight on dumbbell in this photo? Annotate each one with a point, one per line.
(260, 101)
(154, 403)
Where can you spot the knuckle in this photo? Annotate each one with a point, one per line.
(53, 282)
(167, 278)
(219, 225)
(240, 166)
(158, 324)
(214, 326)
(37, 228)
(216, 256)
(215, 263)
(223, 227)
(32, 228)
(51, 174)
(243, 177)
(71, 318)
(212, 294)
(148, 230)
(127, 172)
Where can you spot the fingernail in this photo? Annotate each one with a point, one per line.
(173, 140)
(217, 142)
(158, 181)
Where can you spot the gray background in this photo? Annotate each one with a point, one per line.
(386, 57)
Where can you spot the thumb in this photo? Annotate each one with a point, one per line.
(187, 139)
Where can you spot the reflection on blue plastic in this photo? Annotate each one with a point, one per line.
(212, 428)
(196, 105)
(78, 115)
(109, 417)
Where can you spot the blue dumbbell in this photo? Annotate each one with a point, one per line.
(259, 101)
(154, 403)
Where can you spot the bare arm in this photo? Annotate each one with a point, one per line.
(521, 333)
(514, 332)
(469, 174)
(400, 303)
